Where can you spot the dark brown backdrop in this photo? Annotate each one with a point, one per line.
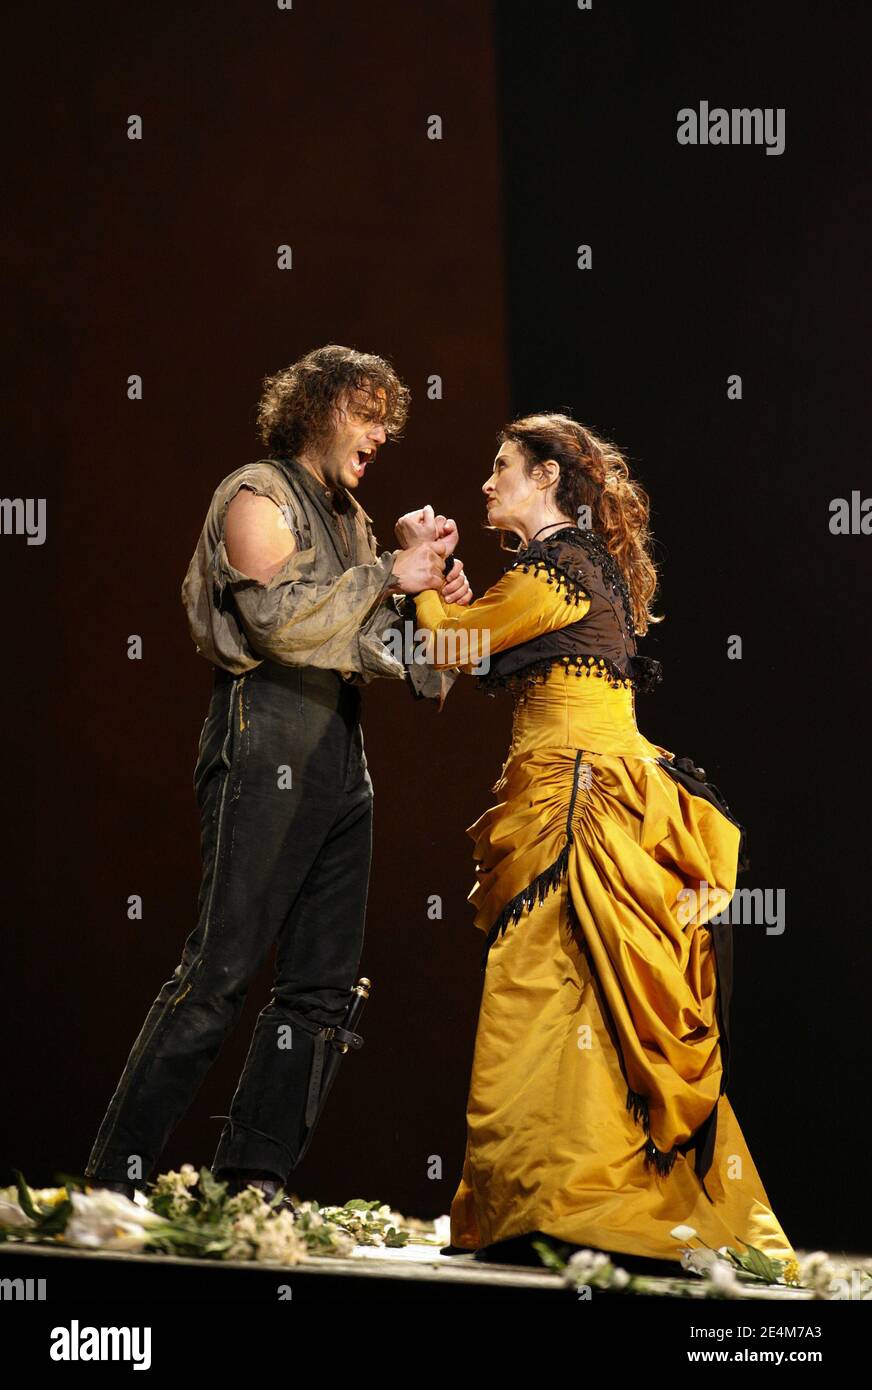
(159, 258)
(458, 258)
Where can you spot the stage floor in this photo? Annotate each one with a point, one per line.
(417, 1269)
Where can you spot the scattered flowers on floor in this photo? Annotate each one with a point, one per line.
(186, 1212)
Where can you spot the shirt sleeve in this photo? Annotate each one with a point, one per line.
(522, 605)
(297, 622)
(395, 624)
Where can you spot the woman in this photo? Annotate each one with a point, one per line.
(597, 1112)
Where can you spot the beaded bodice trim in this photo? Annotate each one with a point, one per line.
(594, 574)
(645, 673)
(598, 552)
(562, 579)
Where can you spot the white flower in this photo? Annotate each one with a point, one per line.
(683, 1232)
(278, 1242)
(818, 1272)
(249, 1200)
(11, 1214)
(590, 1267)
(722, 1280)
(442, 1229)
(587, 1260)
(108, 1221)
(699, 1261)
(246, 1226)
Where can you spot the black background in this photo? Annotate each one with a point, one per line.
(455, 257)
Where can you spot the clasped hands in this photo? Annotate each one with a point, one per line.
(426, 540)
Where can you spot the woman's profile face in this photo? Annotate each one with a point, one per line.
(509, 494)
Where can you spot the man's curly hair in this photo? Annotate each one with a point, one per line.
(295, 411)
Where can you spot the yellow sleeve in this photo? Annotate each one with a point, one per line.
(521, 605)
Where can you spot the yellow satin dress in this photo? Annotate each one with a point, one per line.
(551, 1145)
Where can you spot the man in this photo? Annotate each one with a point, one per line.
(288, 597)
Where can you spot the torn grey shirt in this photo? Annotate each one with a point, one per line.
(328, 606)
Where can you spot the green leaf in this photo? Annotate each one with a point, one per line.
(549, 1256)
(24, 1199)
(394, 1238)
(212, 1190)
(759, 1265)
(49, 1219)
(55, 1218)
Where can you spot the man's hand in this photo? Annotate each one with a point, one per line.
(424, 525)
(456, 588)
(446, 530)
(415, 527)
(420, 567)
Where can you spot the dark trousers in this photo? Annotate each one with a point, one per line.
(285, 803)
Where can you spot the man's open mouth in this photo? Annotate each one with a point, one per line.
(361, 459)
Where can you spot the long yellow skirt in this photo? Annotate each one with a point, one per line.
(551, 1143)
(551, 1146)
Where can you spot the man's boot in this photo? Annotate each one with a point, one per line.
(127, 1189)
(237, 1181)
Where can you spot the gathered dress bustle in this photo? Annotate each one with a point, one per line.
(599, 1066)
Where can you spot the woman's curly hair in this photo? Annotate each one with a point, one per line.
(595, 475)
(295, 411)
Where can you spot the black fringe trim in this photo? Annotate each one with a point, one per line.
(535, 892)
(561, 578)
(654, 1157)
(543, 883)
(645, 673)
